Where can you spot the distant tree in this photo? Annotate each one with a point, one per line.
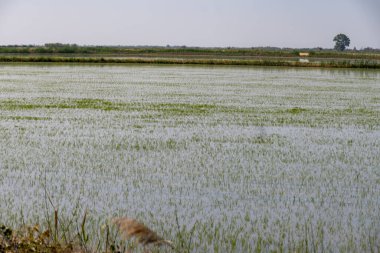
(368, 49)
(341, 42)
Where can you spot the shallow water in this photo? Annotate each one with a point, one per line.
(246, 153)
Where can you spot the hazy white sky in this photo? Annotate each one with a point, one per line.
(239, 23)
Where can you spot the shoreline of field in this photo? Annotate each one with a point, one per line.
(263, 61)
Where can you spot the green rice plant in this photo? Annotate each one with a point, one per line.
(214, 158)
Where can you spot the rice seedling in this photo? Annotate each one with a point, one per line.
(215, 159)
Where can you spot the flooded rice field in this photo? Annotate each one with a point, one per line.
(247, 159)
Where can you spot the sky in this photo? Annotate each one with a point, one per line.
(205, 23)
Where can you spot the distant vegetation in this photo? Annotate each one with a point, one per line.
(279, 62)
(268, 56)
(58, 48)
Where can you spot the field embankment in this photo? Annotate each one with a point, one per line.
(183, 55)
(198, 61)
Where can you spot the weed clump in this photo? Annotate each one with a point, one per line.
(32, 239)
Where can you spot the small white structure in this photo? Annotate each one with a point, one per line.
(304, 54)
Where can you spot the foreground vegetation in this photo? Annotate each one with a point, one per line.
(211, 158)
(57, 235)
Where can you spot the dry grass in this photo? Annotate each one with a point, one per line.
(131, 228)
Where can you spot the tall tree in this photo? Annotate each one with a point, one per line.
(341, 42)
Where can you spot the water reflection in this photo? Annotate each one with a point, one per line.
(357, 73)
